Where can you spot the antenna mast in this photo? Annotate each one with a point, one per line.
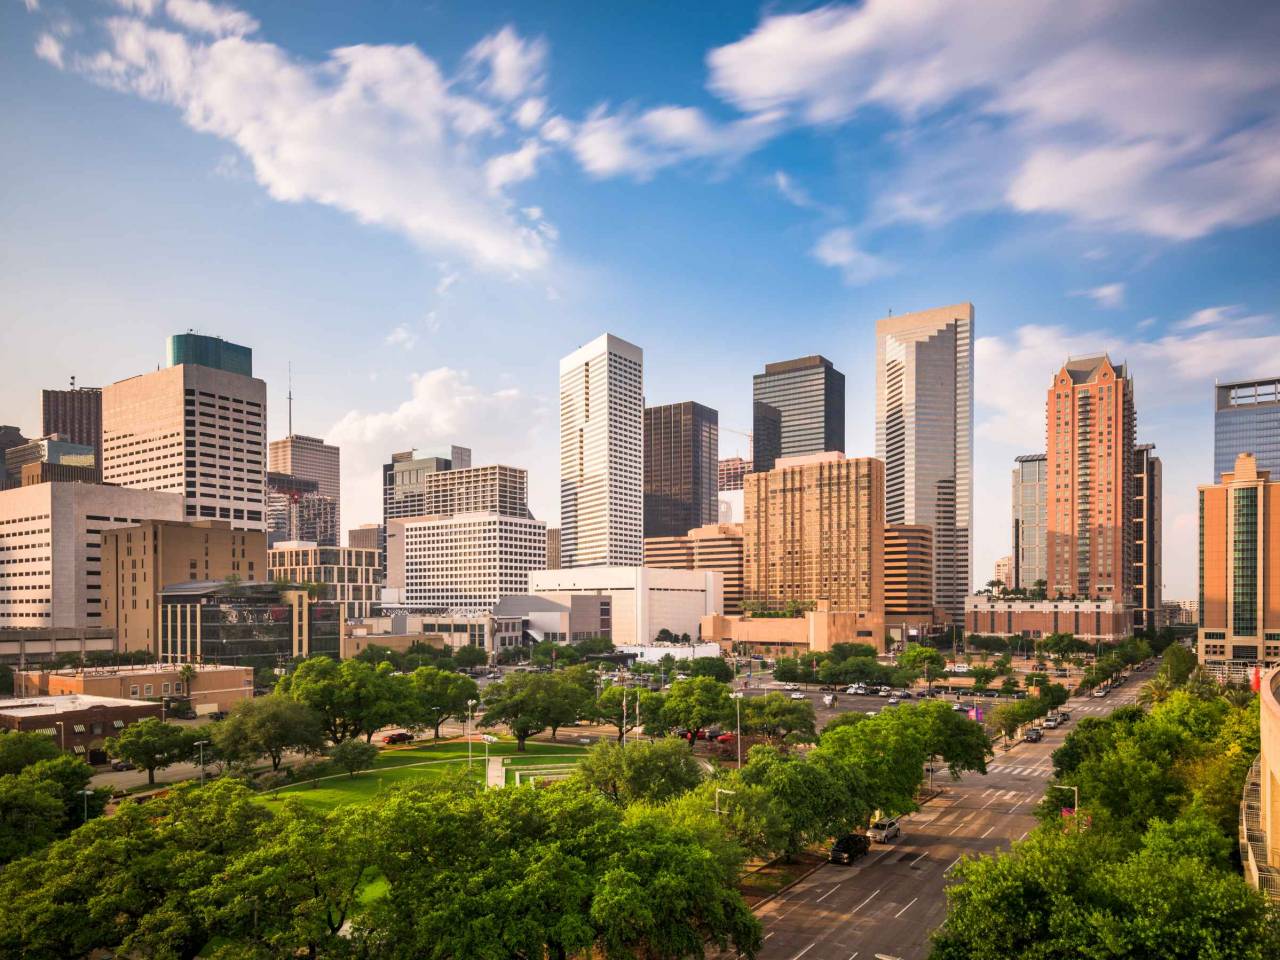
(291, 398)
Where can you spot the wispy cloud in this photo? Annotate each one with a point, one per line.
(839, 248)
(1109, 295)
(402, 336)
(1228, 316)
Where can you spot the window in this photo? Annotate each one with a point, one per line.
(164, 688)
(148, 690)
(177, 686)
(133, 690)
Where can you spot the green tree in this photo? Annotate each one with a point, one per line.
(982, 677)
(353, 698)
(926, 661)
(776, 716)
(438, 695)
(20, 749)
(961, 743)
(1156, 690)
(640, 771)
(609, 707)
(696, 704)
(152, 745)
(527, 704)
(1177, 663)
(30, 815)
(714, 667)
(70, 777)
(1007, 718)
(888, 751)
(268, 726)
(353, 756)
(469, 657)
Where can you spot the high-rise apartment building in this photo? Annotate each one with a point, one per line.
(297, 510)
(553, 548)
(194, 430)
(1240, 571)
(729, 473)
(1148, 538)
(924, 436)
(1246, 419)
(814, 530)
(1091, 424)
(681, 468)
(51, 547)
(310, 458)
(75, 415)
(1030, 520)
(351, 578)
(908, 575)
(602, 454)
(808, 396)
(715, 546)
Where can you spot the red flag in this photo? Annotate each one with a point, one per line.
(1256, 683)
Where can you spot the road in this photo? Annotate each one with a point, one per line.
(889, 903)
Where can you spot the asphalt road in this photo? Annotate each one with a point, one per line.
(887, 904)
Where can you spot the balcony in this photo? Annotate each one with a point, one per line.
(1253, 838)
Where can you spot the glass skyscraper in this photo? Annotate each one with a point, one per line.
(808, 397)
(1246, 419)
(681, 468)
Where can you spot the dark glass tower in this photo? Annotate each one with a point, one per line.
(808, 395)
(681, 468)
(75, 415)
(1246, 419)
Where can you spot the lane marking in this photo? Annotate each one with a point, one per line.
(829, 893)
(1024, 835)
(984, 836)
(949, 866)
(918, 859)
(852, 955)
(805, 950)
(864, 902)
(768, 935)
(904, 909)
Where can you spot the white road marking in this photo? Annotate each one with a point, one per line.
(828, 893)
(805, 950)
(918, 859)
(949, 866)
(904, 909)
(864, 902)
(768, 935)
(852, 955)
(1024, 835)
(984, 836)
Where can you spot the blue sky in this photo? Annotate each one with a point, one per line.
(422, 206)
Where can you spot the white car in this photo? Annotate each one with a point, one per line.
(960, 668)
(792, 686)
(882, 831)
(797, 696)
(893, 702)
(884, 692)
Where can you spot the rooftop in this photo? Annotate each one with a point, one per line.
(132, 669)
(72, 703)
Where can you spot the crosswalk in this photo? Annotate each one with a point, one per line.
(1031, 770)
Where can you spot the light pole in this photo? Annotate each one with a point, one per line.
(737, 709)
(471, 716)
(1075, 793)
(720, 790)
(201, 744)
(86, 794)
(488, 739)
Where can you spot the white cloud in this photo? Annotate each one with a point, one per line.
(402, 336)
(32, 5)
(375, 131)
(839, 248)
(211, 18)
(514, 66)
(447, 280)
(514, 167)
(530, 112)
(49, 48)
(792, 192)
(143, 8)
(1108, 295)
(1233, 316)
(557, 130)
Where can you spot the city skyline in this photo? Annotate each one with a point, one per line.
(393, 347)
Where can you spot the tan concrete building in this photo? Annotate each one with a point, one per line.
(51, 572)
(210, 688)
(1260, 805)
(1003, 572)
(908, 579)
(716, 546)
(1090, 620)
(814, 630)
(814, 530)
(351, 577)
(1090, 531)
(1240, 571)
(310, 458)
(138, 562)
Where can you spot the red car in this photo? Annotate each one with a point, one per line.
(725, 738)
(399, 737)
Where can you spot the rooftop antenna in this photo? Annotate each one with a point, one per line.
(73, 381)
(290, 398)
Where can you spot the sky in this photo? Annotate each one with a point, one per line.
(419, 207)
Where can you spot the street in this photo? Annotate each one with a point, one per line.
(887, 904)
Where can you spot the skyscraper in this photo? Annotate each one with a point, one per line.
(731, 471)
(908, 576)
(309, 458)
(75, 415)
(1148, 597)
(681, 468)
(1091, 424)
(808, 395)
(1246, 419)
(924, 435)
(602, 454)
(192, 429)
(1030, 520)
(297, 510)
(766, 436)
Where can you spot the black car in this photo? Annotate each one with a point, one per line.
(1034, 735)
(849, 848)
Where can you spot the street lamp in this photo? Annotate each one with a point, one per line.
(720, 790)
(201, 744)
(737, 709)
(488, 739)
(471, 716)
(86, 794)
(1075, 792)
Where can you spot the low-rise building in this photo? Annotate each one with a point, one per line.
(1092, 620)
(909, 612)
(79, 724)
(582, 617)
(816, 630)
(350, 577)
(716, 546)
(207, 687)
(401, 631)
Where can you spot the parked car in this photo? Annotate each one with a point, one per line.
(883, 692)
(1034, 735)
(725, 738)
(797, 695)
(893, 702)
(1101, 692)
(792, 686)
(849, 848)
(960, 708)
(1051, 723)
(1064, 715)
(904, 694)
(122, 765)
(882, 831)
(398, 737)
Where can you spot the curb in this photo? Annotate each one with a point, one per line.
(781, 890)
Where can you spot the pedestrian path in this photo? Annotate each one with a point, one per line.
(1025, 770)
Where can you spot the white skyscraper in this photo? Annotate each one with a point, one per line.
(602, 454)
(924, 435)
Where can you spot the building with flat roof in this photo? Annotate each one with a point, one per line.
(908, 579)
(310, 458)
(199, 350)
(209, 688)
(643, 601)
(681, 469)
(79, 724)
(602, 454)
(729, 473)
(50, 451)
(1246, 419)
(51, 574)
(141, 559)
(349, 577)
(713, 546)
(297, 510)
(808, 395)
(1239, 572)
(1103, 620)
(1030, 521)
(21, 647)
(553, 548)
(1148, 539)
(815, 631)
(74, 415)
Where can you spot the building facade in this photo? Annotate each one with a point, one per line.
(602, 454)
(139, 561)
(50, 451)
(1260, 804)
(924, 436)
(210, 688)
(729, 473)
(351, 578)
(908, 575)
(1148, 539)
(808, 396)
(51, 570)
(814, 530)
(553, 548)
(79, 724)
(1030, 521)
(297, 510)
(715, 546)
(1246, 419)
(681, 468)
(194, 430)
(1003, 571)
(1240, 571)
(74, 415)
(431, 486)
(1108, 621)
(196, 349)
(310, 458)
(811, 631)
(1091, 424)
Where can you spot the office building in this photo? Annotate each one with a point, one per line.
(1091, 425)
(1260, 805)
(581, 617)
(1030, 521)
(814, 530)
(1182, 612)
(75, 415)
(211, 688)
(309, 458)
(77, 724)
(349, 577)
(1003, 573)
(1093, 620)
(807, 395)
(297, 510)
(245, 624)
(434, 486)
(365, 536)
(1246, 419)
(553, 548)
(681, 468)
(1148, 537)
(1240, 571)
(715, 546)
(908, 578)
(811, 631)
(139, 561)
(51, 572)
(602, 454)
(464, 562)
(924, 436)
(51, 451)
(21, 647)
(10, 436)
(729, 473)
(642, 601)
(192, 429)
